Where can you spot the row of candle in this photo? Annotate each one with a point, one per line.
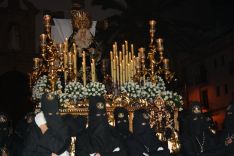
(69, 59)
(123, 63)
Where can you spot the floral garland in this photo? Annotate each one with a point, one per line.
(73, 92)
(151, 90)
(172, 99)
(132, 89)
(95, 89)
(41, 85)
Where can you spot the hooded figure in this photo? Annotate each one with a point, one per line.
(49, 134)
(97, 138)
(21, 132)
(4, 134)
(122, 122)
(199, 140)
(228, 131)
(144, 141)
(4, 130)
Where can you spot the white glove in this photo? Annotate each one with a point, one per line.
(116, 149)
(40, 119)
(145, 154)
(66, 153)
(160, 149)
(93, 154)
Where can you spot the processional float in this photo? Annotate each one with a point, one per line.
(135, 79)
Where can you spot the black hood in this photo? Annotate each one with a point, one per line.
(141, 128)
(121, 119)
(4, 129)
(196, 120)
(195, 109)
(50, 108)
(229, 119)
(98, 127)
(140, 122)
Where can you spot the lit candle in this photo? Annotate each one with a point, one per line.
(120, 56)
(129, 70)
(66, 45)
(126, 46)
(74, 60)
(166, 64)
(111, 61)
(114, 52)
(132, 50)
(123, 49)
(129, 57)
(134, 65)
(60, 48)
(121, 74)
(114, 71)
(124, 72)
(64, 60)
(65, 77)
(43, 38)
(84, 68)
(94, 70)
(131, 67)
(126, 67)
(36, 62)
(69, 58)
(137, 62)
(159, 42)
(116, 47)
(117, 71)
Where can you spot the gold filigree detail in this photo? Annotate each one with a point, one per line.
(121, 115)
(100, 105)
(80, 19)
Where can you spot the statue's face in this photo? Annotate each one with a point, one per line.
(83, 38)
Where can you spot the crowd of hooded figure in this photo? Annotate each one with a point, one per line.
(49, 134)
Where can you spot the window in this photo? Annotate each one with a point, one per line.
(217, 91)
(226, 89)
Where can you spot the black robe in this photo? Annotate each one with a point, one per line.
(228, 131)
(199, 141)
(98, 137)
(85, 146)
(191, 147)
(57, 137)
(38, 144)
(143, 141)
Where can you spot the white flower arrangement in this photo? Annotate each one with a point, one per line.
(172, 99)
(132, 89)
(148, 91)
(160, 83)
(95, 89)
(41, 85)
(151, 90)
(75, 91)
(64, 100)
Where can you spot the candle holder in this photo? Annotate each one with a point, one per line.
(158, 64)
